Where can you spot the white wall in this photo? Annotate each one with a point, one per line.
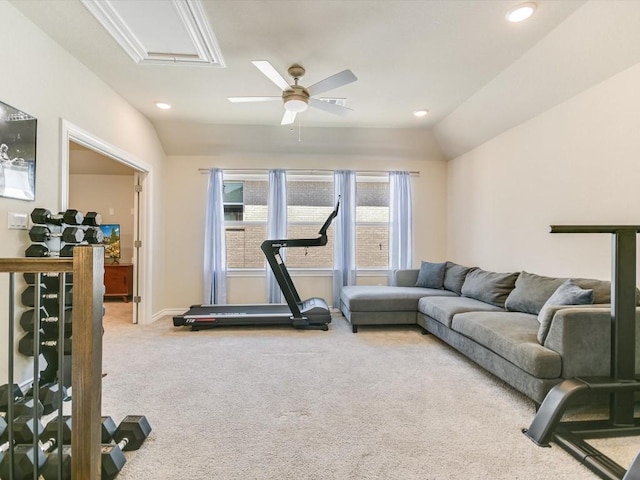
(40, 78)
(577, 163)
(112, 197)
(185, 211)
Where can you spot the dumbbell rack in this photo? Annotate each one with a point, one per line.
(55, 236)
(621, 385)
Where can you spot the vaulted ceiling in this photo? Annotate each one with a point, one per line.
(408, 55)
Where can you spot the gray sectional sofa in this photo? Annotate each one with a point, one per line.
(517, 326)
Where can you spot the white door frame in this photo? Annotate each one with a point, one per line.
(142, 210)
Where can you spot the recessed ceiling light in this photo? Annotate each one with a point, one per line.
(163, 105)
(521, 12)
(421, 113)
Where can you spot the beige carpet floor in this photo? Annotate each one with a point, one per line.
(277, 403)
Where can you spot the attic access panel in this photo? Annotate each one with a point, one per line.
(151, 32)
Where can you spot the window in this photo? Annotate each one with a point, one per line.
(245, 211)
(310, 201)
(233, 199)
(372, 222)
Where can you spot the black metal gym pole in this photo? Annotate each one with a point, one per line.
(621, 385)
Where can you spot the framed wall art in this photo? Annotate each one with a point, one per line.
(17, 153)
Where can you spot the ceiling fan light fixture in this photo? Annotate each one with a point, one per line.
(295, 105)
(521, 12)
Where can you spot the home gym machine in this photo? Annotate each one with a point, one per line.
(621, 385)
(312, 313)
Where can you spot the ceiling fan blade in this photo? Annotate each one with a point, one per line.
(252, 99)
(271, 73)
(330, 107)
(334, 81)
(288, 118)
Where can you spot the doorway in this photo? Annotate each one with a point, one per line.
(122, 201)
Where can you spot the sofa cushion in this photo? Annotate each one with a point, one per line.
(489, 287)
(374, 298)
(531, 292)
(443, 309)
(403, 277)
(431, 275)
(566, 294)
(601, 288)
(511, 335)
(454, 276)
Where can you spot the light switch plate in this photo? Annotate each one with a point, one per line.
(18, 221)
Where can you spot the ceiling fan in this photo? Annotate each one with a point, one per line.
(297, 98)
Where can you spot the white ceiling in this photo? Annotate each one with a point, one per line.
(407, 55)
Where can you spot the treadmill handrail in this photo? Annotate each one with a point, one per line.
(332, 215)
(271, 250)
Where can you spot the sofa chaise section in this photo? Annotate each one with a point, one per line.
(383, 305)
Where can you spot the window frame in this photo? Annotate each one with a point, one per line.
(238, 176)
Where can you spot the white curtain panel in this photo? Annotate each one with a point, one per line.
(400, 222)
(276, 225)
(215, 250)
(344, 249)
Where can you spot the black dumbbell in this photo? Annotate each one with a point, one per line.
(130, 435)
(48, 323)
(9, 393)
(92, 219)
(50, 469)
(93, 236)
(69, 217)
(59, 423)
(41, 233)
(51, 280)
(49, 394)
(21, 405)
(28, 297)
(24, 428)
(26, 345)
(38, 250)
(26, 459)
(107, 428)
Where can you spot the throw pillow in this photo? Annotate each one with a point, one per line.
(489, 287)
(531, 292)
(431, 275)
(566, 294)
(454, 276)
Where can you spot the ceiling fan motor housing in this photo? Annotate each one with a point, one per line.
(298, 93)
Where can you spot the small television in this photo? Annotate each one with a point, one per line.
(111, 241)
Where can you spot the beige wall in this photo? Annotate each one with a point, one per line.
(48, 83)
(105, 194)
(577, 163)
(185, 211)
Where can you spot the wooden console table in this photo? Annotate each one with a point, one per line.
(118, 280)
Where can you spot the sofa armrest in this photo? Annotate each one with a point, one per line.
(405, 278)
(582, 336)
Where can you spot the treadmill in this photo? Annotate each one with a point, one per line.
(309, 314)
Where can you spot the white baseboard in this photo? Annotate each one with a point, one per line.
(168, 312)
